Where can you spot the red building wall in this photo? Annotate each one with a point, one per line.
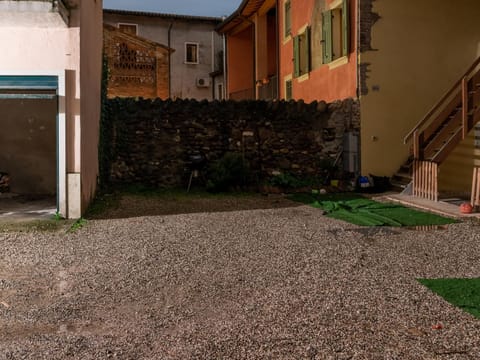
(323, 83)
(240, 61)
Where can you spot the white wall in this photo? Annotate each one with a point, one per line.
(183, 79)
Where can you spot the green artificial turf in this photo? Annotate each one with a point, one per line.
(361, 211)
(463, 293)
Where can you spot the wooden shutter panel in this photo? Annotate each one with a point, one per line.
(307, 49)
(288, 90)
(296, 56)
(287, 21)
(345, 28)
(327, 36)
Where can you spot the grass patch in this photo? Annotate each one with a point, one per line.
(358, 210)
(463, 293)
(105, 202)
(52, 225)
(77, 225)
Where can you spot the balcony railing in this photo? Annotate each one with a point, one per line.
(246, 94)
(268, 90)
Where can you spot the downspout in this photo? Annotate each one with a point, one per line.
(225, 70)
(213, 65)
(359, 144)
(169, 61)
(277, 40)
(254, 59)
(358, 29)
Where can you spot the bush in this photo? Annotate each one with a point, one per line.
(286, 181)
(230, 172)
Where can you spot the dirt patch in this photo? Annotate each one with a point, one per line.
(120, 206)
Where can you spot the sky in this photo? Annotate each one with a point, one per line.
(216, 8)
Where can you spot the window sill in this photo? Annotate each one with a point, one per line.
(303, 77)
(338, 62)
(191, 63)
(287, 39)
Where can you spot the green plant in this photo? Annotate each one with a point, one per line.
(227, 173)
(77, 225)
(57, 216)
(286, 181)
(463, 293)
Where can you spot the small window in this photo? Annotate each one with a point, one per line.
(191, 53)
(301, 53)
(288, 19)
(335, 33)
(220, 95)
(128, 28)
(288, 89)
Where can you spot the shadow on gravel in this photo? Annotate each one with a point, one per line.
(120, 205)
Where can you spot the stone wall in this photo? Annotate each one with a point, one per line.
(149, 142)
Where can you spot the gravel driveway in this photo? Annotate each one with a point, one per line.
(262, 284)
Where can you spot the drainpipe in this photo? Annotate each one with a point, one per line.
(277, 45)
(169, 61)
(358, 48)
(213, 65)
(225, 71)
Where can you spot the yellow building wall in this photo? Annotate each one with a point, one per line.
(455, 174)
(421, 48)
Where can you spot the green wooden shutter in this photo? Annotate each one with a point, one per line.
(296, 56)
(345, 28)
(307, 50)
(327, 36)
(287, 21)
(288, 90)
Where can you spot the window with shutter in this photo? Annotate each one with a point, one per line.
(288, 90)
(336, 32)
(301, 53)
(287, 19)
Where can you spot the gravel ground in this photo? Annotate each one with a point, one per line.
(262, 284)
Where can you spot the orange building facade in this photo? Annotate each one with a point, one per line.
(318, 49)
(252, 50)
(290, 49)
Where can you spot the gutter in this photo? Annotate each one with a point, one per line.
(170, 61)
(236, 13)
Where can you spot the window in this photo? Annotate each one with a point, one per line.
(220, 95)
(287, 23)
(288, 89)
(335, 32)
(191, 53)
(301, 53)
(128, 28)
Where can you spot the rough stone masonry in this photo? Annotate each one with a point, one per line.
(150, 141)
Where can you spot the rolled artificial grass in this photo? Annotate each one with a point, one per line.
(358, 210)
(463, 293)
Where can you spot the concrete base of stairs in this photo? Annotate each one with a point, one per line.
(447, 207)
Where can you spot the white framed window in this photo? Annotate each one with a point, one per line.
(288, 87)
(128, 28)
(191, 53)
(287, 19)
(336, 31)
(302, 52)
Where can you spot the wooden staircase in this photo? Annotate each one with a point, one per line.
(439, 132)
